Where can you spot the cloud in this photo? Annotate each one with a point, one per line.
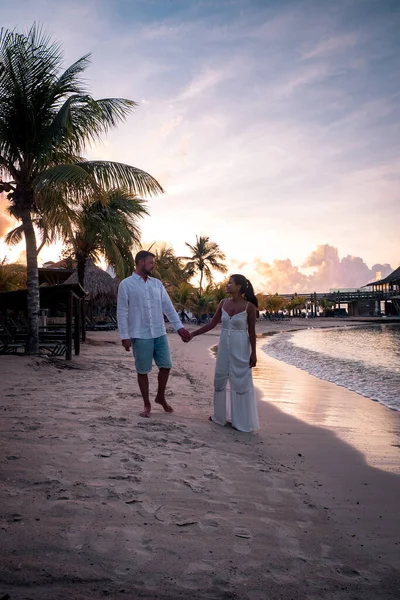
(350, 271)
(302, 77)
(281, 276)
(322, 270)
(332, 45)
(171, 125)
(208, 78)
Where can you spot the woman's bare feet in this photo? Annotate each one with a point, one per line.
(146, 412)
(162, 401)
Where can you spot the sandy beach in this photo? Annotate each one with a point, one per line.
(96, 502)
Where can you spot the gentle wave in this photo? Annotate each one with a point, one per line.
(364, 360)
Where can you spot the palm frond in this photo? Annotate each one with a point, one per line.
(82, 120)
(12, 276)
(112, 175)
(56, 217)
(69, 81)
(70, 179)
(14, 236)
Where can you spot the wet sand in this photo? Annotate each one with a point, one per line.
(370, 427)
(97, 502)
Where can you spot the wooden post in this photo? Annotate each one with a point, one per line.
(83, 317)
(77, 328)
(68, 354)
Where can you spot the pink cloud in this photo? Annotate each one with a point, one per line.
(328, 271)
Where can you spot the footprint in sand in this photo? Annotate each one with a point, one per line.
(171, 515)
(243, 538)
(348, 571)
(136, 456)
(125, 545)
(118, 421)
(159, 426)
(209, 525)
(130, 466)
(177, 435)
(187, 444)
(193, 484)
(199, 575)
(134, 478)
(209, 474)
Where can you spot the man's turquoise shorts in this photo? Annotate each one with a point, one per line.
(145, 350)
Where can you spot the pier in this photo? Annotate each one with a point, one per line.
(377, 299)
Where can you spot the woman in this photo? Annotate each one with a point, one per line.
(236, 356)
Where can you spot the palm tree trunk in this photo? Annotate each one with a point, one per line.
(201, 281)
(81, 264)
(33, 299)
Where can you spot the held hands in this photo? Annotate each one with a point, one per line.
(185, 335)
(253, 360)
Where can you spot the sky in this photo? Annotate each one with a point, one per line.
(272, 125)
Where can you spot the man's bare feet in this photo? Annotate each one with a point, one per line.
(146, 412)
(167, 407)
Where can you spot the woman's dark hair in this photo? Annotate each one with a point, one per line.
(246, 288)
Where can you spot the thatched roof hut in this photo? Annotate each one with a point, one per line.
(100, 287)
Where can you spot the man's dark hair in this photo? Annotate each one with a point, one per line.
(142, 255)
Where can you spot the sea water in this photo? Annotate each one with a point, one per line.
(363, 359)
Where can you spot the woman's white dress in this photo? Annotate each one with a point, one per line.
(237, 404)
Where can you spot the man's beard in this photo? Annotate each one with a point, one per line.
(146, 272)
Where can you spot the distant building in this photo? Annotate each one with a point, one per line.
(389, 290)
(375, 299)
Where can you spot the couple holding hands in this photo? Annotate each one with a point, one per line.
(142, 303)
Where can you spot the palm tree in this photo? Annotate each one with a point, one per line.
(12, 276)
(326, 306)
(261, 301)
(181, 296)
(168, 266)
(94, 229)
(274, 303)
(296, 304)
(201, 305)
(110, 230)
(218, 292)
(205, 256)
(47, 119)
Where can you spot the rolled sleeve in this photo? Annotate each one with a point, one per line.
(122, 312)
(169, 310)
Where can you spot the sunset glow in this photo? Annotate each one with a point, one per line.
(273, 127)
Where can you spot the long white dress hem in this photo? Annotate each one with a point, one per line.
(238, 403)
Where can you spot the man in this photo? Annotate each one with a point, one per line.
(142, 303)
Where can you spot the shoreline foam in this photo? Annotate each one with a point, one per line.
(351, 374)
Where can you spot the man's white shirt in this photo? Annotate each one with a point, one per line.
(141, 307)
